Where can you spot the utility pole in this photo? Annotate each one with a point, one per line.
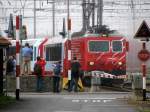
(68, 18)
(69, 44)
(100, 13)
(34, 18)
(133, 14)
(93, 13)
(88, 10)
(53, 15)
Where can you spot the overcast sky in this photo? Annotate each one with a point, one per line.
(118, 15)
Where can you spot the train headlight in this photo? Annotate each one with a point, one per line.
(91, 63)
(119, 63)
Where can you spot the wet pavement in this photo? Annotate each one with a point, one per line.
(72, 102)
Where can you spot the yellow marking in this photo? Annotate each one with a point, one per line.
(65, 81)
(65, 84)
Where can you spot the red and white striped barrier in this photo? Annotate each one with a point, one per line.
(106, 75)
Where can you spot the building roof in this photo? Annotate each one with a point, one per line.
(4, 41)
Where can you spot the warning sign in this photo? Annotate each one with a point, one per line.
(143, 31)
(144, 55)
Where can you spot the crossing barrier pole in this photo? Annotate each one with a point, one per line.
(17, 59)
(144, 81)
(69, 44)
(69, 63)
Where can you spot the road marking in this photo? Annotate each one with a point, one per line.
(90, 100)
(64, 111)
(119, 106)
(105, 101)
(98, 100)
(94, 101)
(75, 100)
(94, 98)
(85, 101)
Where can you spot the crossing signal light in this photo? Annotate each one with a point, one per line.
(23, 32)
(63, 33)
(10, 30)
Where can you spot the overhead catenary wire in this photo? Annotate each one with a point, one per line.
(114, 8)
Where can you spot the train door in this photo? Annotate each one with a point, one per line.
(37, 49)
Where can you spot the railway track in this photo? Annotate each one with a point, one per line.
(116, 88)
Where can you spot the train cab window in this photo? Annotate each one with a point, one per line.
(99, 46)
(117, 46)
(53, 52)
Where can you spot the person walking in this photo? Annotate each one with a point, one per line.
(38, 72)
(75, 74)
(10, 66)
(26, 54)
(56, 77)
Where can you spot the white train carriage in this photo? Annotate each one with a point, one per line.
(35, 44)
(54, 51)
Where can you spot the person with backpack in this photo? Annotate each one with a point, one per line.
(75, 74)
(38, 72)
(56, 78)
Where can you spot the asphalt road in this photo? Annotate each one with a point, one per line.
(72, 102)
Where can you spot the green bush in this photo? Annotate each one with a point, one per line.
(6, 100)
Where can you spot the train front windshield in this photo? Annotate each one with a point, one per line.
(98, 46)
(117, 46)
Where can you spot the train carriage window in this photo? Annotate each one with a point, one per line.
(53, 52)
(117, 46)
(99, 46)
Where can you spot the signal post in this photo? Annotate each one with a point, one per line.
(143, 55)
(69, 44)
(143, 34)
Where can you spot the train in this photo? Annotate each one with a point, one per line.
(100, 55)
(97, 53)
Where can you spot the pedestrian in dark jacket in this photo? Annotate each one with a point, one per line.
(56, 78)
(38, 72)
(10, 66)
(75, 74)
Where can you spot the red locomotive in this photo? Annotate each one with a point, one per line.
(97, 53)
